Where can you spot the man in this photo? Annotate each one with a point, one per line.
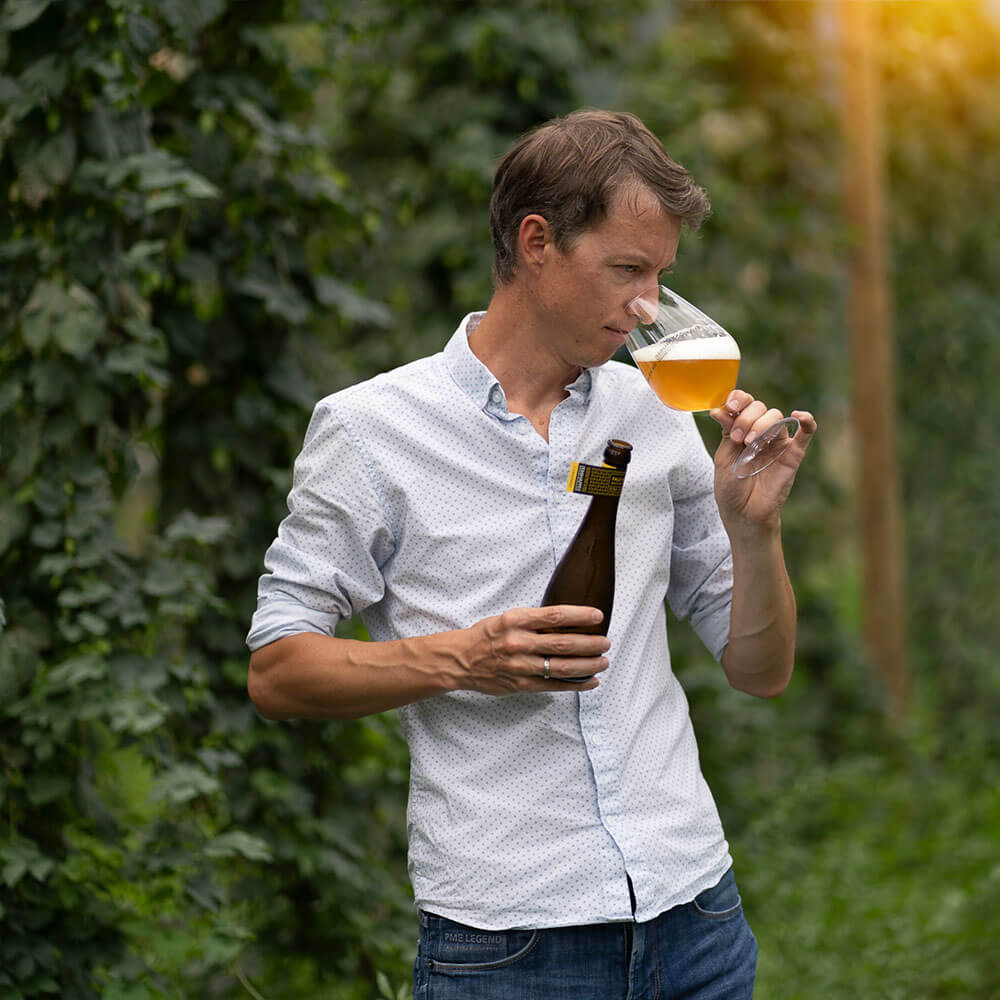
(563, 843)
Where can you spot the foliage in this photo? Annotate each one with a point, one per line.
(942, 73)
(855, 883)
(422, 114)
(174, 229)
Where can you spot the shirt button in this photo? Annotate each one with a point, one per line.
(597, 739)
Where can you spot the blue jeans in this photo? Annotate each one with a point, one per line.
(703, 950)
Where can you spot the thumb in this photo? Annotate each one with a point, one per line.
(728, 449)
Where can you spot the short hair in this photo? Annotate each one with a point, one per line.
(569, 170)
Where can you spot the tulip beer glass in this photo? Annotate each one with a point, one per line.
(691, 363)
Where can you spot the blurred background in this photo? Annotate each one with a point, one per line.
(215, 213)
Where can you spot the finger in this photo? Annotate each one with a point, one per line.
(807, 422)
(749, 415)
(735, 404)
(762, 423)
(569, 644)
(807, 428)
(553, 686)
(556, 617)
(567, 668)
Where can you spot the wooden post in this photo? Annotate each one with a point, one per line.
(869, 319)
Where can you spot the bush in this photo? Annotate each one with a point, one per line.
(175, 230)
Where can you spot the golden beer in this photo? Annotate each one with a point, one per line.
(693, 374)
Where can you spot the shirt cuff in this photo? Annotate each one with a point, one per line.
(277, 618)
(712, 626)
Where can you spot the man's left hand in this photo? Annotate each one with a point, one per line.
(757, 500)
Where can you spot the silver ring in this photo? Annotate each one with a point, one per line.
(546, 668)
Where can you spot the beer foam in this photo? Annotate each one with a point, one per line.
(694, 349)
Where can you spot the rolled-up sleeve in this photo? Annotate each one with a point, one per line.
(325, 564)
(701, 564)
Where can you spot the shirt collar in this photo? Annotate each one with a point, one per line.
(477, 381)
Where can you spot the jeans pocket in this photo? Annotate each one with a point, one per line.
(456, 949)
(721, 901)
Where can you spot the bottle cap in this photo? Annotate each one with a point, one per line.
(618, 453)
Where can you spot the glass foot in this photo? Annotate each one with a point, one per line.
(756, 457)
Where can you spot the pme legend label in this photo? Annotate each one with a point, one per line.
(595, 480)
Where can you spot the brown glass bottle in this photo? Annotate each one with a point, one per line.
(586, 573)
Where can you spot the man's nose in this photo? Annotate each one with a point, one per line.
(644, 307)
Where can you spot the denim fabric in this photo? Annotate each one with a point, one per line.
(702, 950)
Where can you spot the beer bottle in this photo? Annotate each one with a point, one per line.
(586, 573)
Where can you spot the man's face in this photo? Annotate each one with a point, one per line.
(585, 290)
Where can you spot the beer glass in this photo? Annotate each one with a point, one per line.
(691, 363)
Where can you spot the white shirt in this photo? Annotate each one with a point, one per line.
(421, 503)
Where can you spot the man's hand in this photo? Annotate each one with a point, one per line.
(756, 501)
(506, 654)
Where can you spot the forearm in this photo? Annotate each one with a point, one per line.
(315, 676)
(760, 654)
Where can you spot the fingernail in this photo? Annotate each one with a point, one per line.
(737, 434)
(750, 437)
(596, 616)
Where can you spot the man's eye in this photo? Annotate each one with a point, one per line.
(630, 268)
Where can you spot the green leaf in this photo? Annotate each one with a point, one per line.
(14, 870)
(138, 359)
(19, 14)
(82, 323)
(90, 592)
(19, 660)
(190, 16)
(13, 522)
(45, 788)
(23, 858)
(352, 305)
(124, 779)
(10, 393)
(94, 624)
(56, 157)
(71, 673)
(47, 534)
(183, 783)
(164, 578)
(51, 381)
(238, 842)
(46, 303)
(136, 713)
(279, 298)
(206, 530)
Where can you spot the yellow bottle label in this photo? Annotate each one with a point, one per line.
(595, 480)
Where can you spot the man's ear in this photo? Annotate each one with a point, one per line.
(533, 236)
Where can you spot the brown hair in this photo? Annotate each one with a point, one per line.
(568, 170)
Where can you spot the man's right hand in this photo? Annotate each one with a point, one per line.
(506, 654)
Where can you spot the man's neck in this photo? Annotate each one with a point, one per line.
(515, 350)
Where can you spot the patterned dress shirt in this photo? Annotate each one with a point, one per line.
(422, 504)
